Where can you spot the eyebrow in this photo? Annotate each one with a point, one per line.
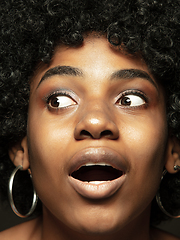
(132, 73)
(62, 71)
(76, 72)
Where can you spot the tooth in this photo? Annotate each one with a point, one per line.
(96, 182)
(96, 164)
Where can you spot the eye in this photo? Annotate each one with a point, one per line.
(131, 100)
(60, 101)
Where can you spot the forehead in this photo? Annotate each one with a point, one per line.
(98, 51)
(96, 59)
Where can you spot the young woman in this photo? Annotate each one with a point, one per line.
(90, 107)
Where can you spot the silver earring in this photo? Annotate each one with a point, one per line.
(158, 198)
(176, 167)
(35, 196)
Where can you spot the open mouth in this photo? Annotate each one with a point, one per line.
(96, 172)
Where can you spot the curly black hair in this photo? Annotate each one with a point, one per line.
(31, 29)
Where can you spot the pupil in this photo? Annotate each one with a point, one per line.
(126, 101)
(55, 102)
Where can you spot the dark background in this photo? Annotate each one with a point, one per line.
(8, 219)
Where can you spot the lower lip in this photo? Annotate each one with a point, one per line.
(97, 191)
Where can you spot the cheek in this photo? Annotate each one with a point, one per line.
(148, 144)
(48, 149)
(146, 141)
(146, 135)
(145, 149)
(47, 146)
(48, 155)
(144, 144)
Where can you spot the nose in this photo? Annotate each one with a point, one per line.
(96, 122)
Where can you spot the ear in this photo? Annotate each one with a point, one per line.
(173, 154)
(19, 154)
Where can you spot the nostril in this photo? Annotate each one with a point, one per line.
(106, 133)
(85, 134)
(104, 129)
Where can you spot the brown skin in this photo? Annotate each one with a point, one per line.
(95, 115)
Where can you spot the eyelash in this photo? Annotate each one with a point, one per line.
(54, 94)
(135, 93)
(120, 97)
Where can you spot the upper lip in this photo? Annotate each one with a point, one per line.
(98, 155)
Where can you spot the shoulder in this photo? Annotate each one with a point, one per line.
(24, 231)
(162, 235)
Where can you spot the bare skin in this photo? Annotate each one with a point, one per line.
(94, 105)
(31, 230)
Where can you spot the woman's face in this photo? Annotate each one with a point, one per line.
(97, 135)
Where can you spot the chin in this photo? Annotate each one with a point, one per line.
(98, 230)
(98, 226)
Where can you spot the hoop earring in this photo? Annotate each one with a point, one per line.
(35, 196)
(176, 167)
(158, 199)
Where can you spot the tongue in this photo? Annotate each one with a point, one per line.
(96, 173)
